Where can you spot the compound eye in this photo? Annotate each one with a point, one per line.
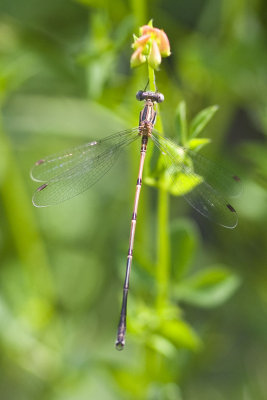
(139, 95)
(160, 98)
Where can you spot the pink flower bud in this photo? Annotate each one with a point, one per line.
(164, 44)
(137, 58)
(146, 29)
(154, 57)
(152, 44)
(141, 41)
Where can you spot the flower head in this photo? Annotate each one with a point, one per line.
(150, 46)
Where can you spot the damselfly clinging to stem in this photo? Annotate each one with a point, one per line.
(71, 172)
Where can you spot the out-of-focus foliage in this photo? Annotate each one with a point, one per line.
(197, 305)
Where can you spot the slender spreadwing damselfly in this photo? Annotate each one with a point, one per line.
(71, 172)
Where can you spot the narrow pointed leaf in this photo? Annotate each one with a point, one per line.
(208, 288)
(181, 122)
(197, 144)
(201, 120)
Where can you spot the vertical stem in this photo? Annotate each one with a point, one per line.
(163, 254)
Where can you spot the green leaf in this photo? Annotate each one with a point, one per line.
(161, 345)
(177, 184)
(208, 288)
(197, 144)
(201, 120)
(181, 122)
(162, 173)
(180, 334)
(163, 331)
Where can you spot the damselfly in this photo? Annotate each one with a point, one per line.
(71, 172)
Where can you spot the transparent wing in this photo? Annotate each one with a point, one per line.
(76, 170)
(208, 184)
(225, 182)
(49, 167)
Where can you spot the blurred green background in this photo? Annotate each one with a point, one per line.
(64, 80)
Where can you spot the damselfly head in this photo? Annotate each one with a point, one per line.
(147, 95)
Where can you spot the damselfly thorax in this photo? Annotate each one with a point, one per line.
(148, 115)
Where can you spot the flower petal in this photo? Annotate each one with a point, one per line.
(137, 58)
(141, 41)
(164, 44)
(154, 57)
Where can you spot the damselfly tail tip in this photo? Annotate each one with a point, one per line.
(120, 344)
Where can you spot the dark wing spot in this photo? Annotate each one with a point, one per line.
(236, 178)
(39, 162)
(230, 208)
(42, 187)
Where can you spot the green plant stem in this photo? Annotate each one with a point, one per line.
(163, 249)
